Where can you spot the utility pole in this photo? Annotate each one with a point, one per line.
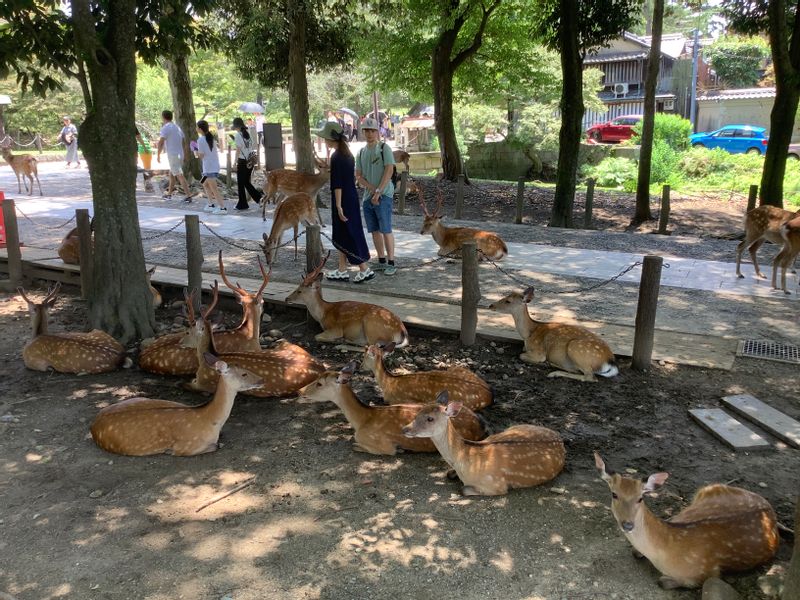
(693, 99)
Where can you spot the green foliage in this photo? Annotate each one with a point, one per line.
(612, 172)
(473, 121)
(672, 129)
(664, 164)
(738, 60)
(683, 17)
(29, 113)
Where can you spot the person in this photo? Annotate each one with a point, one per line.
(172, 140)
(207, 153)
(244, 145)
(69, 137)
(348, 232)
(146, 156)
(374, 168)
(260, 128)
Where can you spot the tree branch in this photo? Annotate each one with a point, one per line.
(776, 13)
(477, 40)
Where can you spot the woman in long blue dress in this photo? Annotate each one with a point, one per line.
(348, 232)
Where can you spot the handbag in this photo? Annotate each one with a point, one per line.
(252, 155)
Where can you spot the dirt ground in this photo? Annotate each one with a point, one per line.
(320, 521)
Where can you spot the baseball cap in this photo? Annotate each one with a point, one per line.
(331, 131)
(369, 123)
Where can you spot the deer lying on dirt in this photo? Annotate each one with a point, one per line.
(157, 299)
(723, 529)
(356, 322)
(519, 457)
(70, 352)
(24, 166)
(297, 208)
(378, 429)
(281, 183)
(762, 224)
(424, 386)
(790, 234)
(450, 239)
(572, 348)
(141, 426)
(70, 249)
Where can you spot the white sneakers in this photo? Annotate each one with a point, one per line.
(220, 211)
(363, 276)
(210, 208)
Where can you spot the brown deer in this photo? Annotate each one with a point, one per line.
(450, 239)
(297, 208)
(761, 224)
(284, 371)
(356, 322)
(423, 387)
(723, 529)
(70, 249)
(281, 183)
(71, 352)
(378, 429)
(142, 426)
(401, 156)
(790, 234)
(24, 166)
(519, 457)
(572, 348)
(157, 299)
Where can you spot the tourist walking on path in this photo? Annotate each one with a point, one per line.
(69, 137)
(348, 233)
(171, 140)
(374, 168)
(207, 153)
(244, 146)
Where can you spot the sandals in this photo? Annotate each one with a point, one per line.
(338, 275)
(363, 276)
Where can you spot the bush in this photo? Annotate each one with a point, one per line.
(612, 172)
(664, 165)
(674, 130)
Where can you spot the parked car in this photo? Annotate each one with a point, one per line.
(736, 139)
(616, 130)
(794, 151)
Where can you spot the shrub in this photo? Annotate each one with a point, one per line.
(674, 130)
(612, 172)
(664, 165)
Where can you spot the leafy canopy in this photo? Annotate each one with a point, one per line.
(738, 60)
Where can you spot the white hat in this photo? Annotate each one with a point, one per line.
(369, 123)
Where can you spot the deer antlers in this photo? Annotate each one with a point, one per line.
(439, 201)
(238, 289)
(312, 277)
(49, 300)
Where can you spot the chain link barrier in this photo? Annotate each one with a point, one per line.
(257, 250)
(42, 225)
(160, 234)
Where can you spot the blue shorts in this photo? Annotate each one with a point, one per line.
(378, 218)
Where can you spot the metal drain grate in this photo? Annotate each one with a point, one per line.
(769, 351)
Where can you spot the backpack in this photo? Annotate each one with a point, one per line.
(395, 176)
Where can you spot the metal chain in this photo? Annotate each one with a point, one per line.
(42, 225)
(258, 250)
(147, 238)
(361, 259)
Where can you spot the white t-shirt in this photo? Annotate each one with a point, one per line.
(173, 139)
(209, 156)
(243, 146)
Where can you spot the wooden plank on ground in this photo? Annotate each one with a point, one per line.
(777, 423)
(727, 429)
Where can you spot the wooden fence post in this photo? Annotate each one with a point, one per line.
(459, 196)
(12, 243)
(470, 292)
(86, 248)
(752, 197)
(401, 201)
(663, 214)
(587, 210)
(194, 257)
(313, 247)
(646, 312)
(520, 200)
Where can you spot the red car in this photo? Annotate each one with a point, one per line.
(616, 130)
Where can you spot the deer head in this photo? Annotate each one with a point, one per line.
(199, 328)
(373, 355)
(310, 283)
(328, 387)
(513, 301)
(249, 302)
(431, 219)
(431, 421)
(39, 310)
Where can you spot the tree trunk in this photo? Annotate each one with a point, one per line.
(569, 138)
(442, 77)
(643, 213)
(791, 588)
(119, 301)
(180, 84)
(298, 89)
(2, 125)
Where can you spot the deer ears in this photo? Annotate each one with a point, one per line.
(347, 372)
(387, 347)
(601, 466)
(453, 409)
(443, 398)
(216, 363)
(527, 295)
(151, 271)
(655, 480)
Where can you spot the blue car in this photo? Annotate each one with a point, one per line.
(736, 139)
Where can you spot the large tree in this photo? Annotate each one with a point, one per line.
(781, 20)
(574, 28)
(180, 85)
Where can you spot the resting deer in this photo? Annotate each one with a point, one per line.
(24, 166)
(423, 387)
(401, 156)
(356, 322)
(157, 299)
(723, 529)
(519, 457)
(281, 183)
(790, 234)
(297, 208)
(70, 249)
(283, 371)
(450, 239)
(141, 426)
(572, 348)
(71, 352)
(378, 429)
(761, 224)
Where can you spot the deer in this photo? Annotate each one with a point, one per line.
(723, 529)
(521, 456)
(157, 299)
(401, 156)
(69, 352)
(280, 183)
(790, 233)
(144, 426)
(579, 353)
(356, 322)
(284, 371)
(423, 387)
(450, 239)
(378, 429)
(297, 208)
(761, 224)
(70, 249)
(24, 166)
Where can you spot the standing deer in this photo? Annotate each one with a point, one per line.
(572, 348)
(280, 183)
(423, 387)
(519, 457)
(790, 234)
(450, 239)
(723, 529)
(23, 165)
(761, 224)
(378, 429)
(71, 352)
(141, 426)
(356, 322)
(297, 208)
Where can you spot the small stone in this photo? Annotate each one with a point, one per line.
(772, 582)
(716, 589)
(297, 336)
(500, 350)
(7, 419)
(96, 494)
(265, 318)
(761, 484)
(276, 333)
